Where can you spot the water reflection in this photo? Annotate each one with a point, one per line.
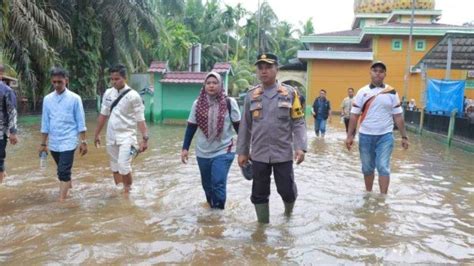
(426, 218)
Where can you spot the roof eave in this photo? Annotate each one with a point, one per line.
(381, 30)
(335, 55)
(331, 39)
(418, 12)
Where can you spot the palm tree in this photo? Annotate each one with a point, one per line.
(267, 29)
(29, 30)
(288, 45)
(308, 27)
(174, 45)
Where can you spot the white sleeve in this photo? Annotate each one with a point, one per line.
(106, 103)
(357, 103)
(397, 108)
(138, 107)
(192, 114)
(234, 110)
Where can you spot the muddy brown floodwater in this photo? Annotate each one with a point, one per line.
(428, 216)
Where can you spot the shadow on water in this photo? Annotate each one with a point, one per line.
(426, 218)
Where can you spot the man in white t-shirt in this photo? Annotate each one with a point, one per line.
(124, 109)
(378, 106)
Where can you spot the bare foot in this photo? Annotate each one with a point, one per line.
(205, 205)
(3, 175)
(63, 189)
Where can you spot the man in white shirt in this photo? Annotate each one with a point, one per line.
(346, 106)
(378, 106)
(124, 108)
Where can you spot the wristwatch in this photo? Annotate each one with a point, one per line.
(145, 138)
(84, 142)
(405, 137)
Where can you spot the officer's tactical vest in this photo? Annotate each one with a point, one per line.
(296, 108)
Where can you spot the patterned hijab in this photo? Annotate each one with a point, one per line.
(211, 110)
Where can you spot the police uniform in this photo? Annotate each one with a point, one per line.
(272, 126)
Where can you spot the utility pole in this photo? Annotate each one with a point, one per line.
(258, 27)
(406, 78)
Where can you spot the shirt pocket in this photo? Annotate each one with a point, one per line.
(256, 109)
(284, 106)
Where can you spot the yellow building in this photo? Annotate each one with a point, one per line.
(339, 60)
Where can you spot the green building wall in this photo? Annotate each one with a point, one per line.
(157, 106)
(178, 100)
(172, 102)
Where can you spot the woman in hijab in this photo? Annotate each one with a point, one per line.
(213, 115)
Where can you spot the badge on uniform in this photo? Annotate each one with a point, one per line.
(256, 113)
(285, 104)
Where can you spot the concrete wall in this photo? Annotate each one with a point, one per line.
(337, 75)
(396, 62)
(285, 75)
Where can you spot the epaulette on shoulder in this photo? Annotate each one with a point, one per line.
(287, 86)
(254, 88)
(256, 91)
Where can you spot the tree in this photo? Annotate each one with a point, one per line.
(31, 31)
(308, 27)
(89, 36)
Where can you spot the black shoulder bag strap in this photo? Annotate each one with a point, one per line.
(118, 100)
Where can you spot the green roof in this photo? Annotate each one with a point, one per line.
(384, 29)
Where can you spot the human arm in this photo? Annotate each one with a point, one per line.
(10, 102)
(400, 123)
(144, 131)
(351, 130)
(101, 120)
(188, 138)
(245, 133)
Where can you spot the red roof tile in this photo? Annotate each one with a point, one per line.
(158, 67)
(222, 67)
(184, 77)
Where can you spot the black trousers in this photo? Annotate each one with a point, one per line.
(3, 154)
(284, 180)
(64, 161)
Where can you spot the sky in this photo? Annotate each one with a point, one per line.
(336, 15)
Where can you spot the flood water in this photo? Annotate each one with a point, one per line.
(428, 216)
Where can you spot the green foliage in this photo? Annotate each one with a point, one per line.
(83, 57)
(89, 36)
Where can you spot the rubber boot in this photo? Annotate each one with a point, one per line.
(263, 213)
(289, 208)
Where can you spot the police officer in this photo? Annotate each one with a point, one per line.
(272, 126)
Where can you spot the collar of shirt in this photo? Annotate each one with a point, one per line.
(372, 86)
(271, 91)
(59, 97)
(126, 87)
